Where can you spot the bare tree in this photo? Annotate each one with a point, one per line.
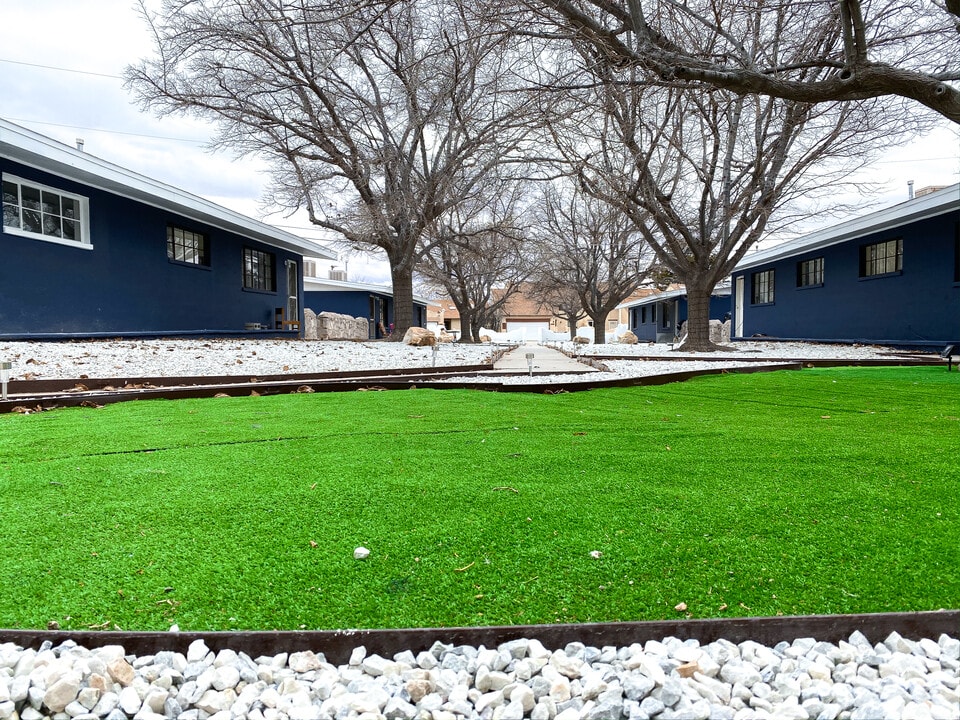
(479, 260)
(377, 118)
(705, 173)
(828, 51)
(706, 176)
(562, 300)
(592, 247)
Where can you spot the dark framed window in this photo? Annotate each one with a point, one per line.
(44, 213)
(643, 314)
(259, 270)
(883, 258)
(187, 246)
(810, 272)
(761, 287)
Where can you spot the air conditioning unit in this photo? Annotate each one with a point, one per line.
(340, 275)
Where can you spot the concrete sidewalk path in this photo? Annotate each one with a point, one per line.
(546, 361)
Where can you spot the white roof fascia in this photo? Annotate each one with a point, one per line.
(312, 284)
(719, 290)
(38, 151)
(909, 211)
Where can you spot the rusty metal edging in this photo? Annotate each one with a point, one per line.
(387, 380)
(337, 645)
(244, 389)
(24, 387)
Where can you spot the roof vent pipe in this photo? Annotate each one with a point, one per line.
(909, 189)
(80, 144)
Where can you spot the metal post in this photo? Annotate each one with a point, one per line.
(4, 369)
(436, 349)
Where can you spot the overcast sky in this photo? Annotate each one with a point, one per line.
(92, 41)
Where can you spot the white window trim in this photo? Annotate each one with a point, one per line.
(84, 220)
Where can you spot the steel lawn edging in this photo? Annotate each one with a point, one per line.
(427, 380)
(337, 645)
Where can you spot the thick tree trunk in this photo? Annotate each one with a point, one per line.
(402, 278)
(599, 328)
(468, 327)
(698, 319)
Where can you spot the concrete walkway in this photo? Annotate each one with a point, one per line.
(546, 361)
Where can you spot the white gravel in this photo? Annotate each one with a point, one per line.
(739, 355)
(249, 357)
(243, 357)
(519, 680)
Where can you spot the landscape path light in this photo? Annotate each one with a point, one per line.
(4, 370)
(436, 349)
(530, 363)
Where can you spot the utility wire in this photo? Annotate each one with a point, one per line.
(111, 132)
(60, 69)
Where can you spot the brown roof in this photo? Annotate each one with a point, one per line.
(520, 306)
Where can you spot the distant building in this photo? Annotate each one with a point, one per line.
(373, 302)
(888, 277)
(524, 318)
(659, 316)
(92, 249)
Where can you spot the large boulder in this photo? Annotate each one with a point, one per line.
(309, 324)
(446, 337)
(581, 340)
(628, 338)
(719, 332)
(334, 326)
(419, 337)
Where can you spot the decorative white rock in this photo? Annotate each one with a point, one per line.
(361, 553)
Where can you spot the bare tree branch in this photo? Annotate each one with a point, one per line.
(377, 117)
(830, 51)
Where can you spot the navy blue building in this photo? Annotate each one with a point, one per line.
(373, 302)
(657, 318)
(890, 277)
(91, 249)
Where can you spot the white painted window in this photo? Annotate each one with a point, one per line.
(45, 213)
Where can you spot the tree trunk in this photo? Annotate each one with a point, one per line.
(468, 327)
(698, 319)
(599, 328)
(402, 278)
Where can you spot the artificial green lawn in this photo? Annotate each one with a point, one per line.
(821, 491)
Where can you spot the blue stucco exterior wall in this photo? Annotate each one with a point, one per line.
(126, 284)
(646, 326)
(918, 306)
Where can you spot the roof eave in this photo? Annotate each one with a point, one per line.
(909, 211)
(43, 153)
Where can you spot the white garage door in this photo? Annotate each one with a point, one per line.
(531, 330)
